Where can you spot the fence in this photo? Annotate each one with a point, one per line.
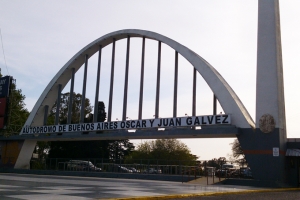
(145, 166)
(119, 166)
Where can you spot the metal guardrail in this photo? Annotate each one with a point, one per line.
(142, 166)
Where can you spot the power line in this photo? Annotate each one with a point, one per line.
(3, 52)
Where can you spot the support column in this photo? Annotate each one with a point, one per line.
(269, 80)
(142, 80)
(214, 105)
(260, 145)
(82, 114)
(126, 80)
(175, 85)
(97, 86)
(111, 90)
(69, 120)
(45, 114)
(58, 104)
(158, 81)
(23, 161)
(194, 92)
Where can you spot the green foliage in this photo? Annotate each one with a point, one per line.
(101, 112)
(17, 113)
(217, 163)
(78, 149)
(42, 149)
(119, 149)
(237, 153)
(112, 150)
(162, 149)
(69, 149)
(76, 108)
(37, 164)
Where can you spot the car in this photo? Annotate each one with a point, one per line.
(88, 166)
(221, 173)
(134, 170)
(152, 171)
(234, 173)
(124, 169)
(82, 165)
(230, 166)
(246, 173)
(228, 170)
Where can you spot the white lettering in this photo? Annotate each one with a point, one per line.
(132, 124)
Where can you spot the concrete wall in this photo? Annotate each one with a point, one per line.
(258, 149)
(9, 152)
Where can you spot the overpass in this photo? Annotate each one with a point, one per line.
(263, 143)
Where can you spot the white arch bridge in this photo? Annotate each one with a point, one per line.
(235, 113)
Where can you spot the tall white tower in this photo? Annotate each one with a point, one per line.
(270, 109)
(265, 146)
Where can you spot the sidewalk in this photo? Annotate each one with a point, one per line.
(206, 180)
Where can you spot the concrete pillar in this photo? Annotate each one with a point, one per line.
(260, 145)
(23, 161)
(269, 81)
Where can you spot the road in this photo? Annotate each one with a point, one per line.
(280, 195)
(34, 187)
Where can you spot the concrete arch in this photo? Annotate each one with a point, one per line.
(226, 96)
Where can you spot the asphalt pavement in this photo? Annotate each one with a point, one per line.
(33, 187)
(257, 195)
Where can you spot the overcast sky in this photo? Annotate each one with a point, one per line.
(39, 37)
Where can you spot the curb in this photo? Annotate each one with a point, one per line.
(178, 196)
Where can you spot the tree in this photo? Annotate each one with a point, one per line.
(17, 113)
(101, 112)
(217, 163)
(162, 149)
(42, 149)
(222, 161)
(76, 108)
(109, 149)
(119, 149)
(237, 153)
(70, 149)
